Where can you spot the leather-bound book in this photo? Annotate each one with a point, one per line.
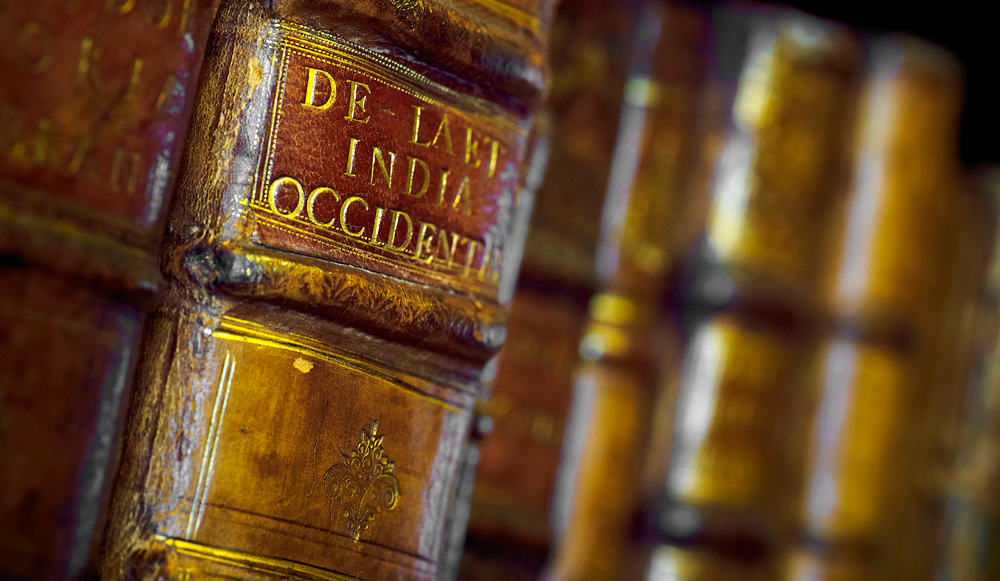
(970, 551)
(527, 399)
(615, 383)
(333, 258)
(948, 370)
(94, 105)
(866, 486)
(778, 109)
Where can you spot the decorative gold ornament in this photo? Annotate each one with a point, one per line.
(363, 483)
(410, 11)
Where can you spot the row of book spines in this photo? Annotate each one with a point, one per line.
(654, 107)
(875, 296)
(117, 331)
(969, 428)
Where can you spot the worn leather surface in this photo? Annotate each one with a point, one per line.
(591, 44)
(900, 267)
(615, 385)
(528, 404)
(311, 330)
(93, 111)
(67, 358)
(774, 121)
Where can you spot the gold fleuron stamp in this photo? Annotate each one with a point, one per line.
(363, 483)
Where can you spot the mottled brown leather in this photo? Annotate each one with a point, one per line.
(95, 121)
(528, 404)
(284, 336)
(903, 267)
(615, 389)
(94, 107)
(265, 411)
(68, 353)
(774, 121)
(494, 48)
(591, 47)
(530, 395)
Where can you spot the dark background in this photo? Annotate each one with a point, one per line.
(968, 30)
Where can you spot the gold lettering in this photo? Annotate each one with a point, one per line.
(272, 196)
(467, 188)
(444, 184)
(494, 153)
(492, 257)
(449, 252)
(386, 173)
(35, 47)
(409, 177)
(169, 88)
(443, 129)
(87, 66)
(42, 142)
(396, 214)
(471, 148)
(80, 154)
(11, 131)
(357, 103)
(311, 210)
(496, 265)
(379, 212)
(311, 79)
(343, 216)
(161, 18)
(424, 242)
(134, 78)
(120, 6)
(185, 19)
(350, 158)
(470, 255)
(416, 127)
(121, 159)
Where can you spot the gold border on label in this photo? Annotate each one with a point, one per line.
(306, 41)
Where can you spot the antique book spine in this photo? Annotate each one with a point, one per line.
(93, 111)
(947, 369)
(528, 398)
(333, 259)
(615, 384)
(777, 113)
(970, 552)
(888, 295)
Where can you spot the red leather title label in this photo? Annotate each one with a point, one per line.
(368, 162)
(95, 102)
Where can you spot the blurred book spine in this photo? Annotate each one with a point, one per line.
(777, 107)
(621, 348)
(93, 112)
(879, 369)
(971, 550)
(527, 400)
(334, 259)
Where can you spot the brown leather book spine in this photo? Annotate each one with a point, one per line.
(777, 109)
(333, 261)
(970, 552)
(527, 400)
(948, 370)
(94, 108)
(875, 373)
(615, 384)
